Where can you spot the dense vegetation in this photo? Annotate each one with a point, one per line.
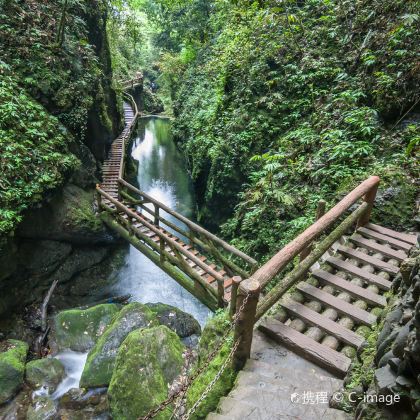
(53, 78)
(279, 104)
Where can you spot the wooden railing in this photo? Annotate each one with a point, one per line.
(247, 294)
(131, 83)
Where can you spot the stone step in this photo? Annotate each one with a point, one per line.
(359, 272)
(291, 379)
(367, 259)
(406, 237)
(375, 247)
(395, 243)
(325, 324)
(323, 356)
(356, 291)
(359, 315)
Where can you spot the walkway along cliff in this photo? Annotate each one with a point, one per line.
(201, 262)
(320, 309)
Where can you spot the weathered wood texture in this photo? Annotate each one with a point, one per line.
(330, 359)
(269, 270)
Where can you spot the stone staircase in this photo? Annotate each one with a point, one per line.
(321, 323)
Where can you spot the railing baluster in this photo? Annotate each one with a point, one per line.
(233, 294)
(156, 221)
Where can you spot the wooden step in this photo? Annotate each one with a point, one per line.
(359, 272)
(356, 291)
(345, 308)
(405, 237)
(325, 324)
(383, 238)
(367, 259)
(308, 348)
(375, 247)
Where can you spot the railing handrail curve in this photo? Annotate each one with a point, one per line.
(273, 267)
(190, 224)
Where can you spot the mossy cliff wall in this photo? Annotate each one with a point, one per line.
(59, 116)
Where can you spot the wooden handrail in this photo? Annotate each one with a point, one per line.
(304, 265)
(270, 269)
(193, 226)
(130, 130)
(249, 289)
(159, 233)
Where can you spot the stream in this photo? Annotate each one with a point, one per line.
(161, 173)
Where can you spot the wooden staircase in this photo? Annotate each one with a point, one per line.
(328, 315)
(193, 253)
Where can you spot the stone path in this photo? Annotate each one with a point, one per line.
(271, 379)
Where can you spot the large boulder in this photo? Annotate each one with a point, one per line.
(46, 373)
(12, 367)
(80, 329)
(182, 323)
(101, 359)
(148, 362)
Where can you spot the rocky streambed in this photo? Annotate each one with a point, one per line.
(130, 358)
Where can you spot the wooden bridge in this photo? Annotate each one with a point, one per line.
(201, 262)
(339, 286)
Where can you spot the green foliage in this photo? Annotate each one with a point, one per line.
(34, 150)
(281, 104)
(63, 76)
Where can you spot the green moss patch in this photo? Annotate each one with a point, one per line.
(101, 359)
(12, 367)
(80, 329)
(147, 362)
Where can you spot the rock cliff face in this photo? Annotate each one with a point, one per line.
(103, 117)
(60, 238)
(396, 366)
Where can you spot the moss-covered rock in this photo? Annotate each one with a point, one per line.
(212, 334)
(147, 362)
(43, 408)
(79, 330)
(101, 359)
(12, 367)
(182, 323)
(69, 216)
(45, 373)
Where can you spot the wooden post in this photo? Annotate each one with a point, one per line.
(220, 293)
(162, 249)
(99, 200)
(233, 294)
(320, 211)
(248, 292)
(370, 199)
(156, 222)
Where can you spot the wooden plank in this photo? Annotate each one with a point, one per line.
(383, 238)
(330, 327)
(359, 315)
(331, 360)
(375, 262)
(354, 290)
(375, 247)
(405, 237)
(359, 272)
